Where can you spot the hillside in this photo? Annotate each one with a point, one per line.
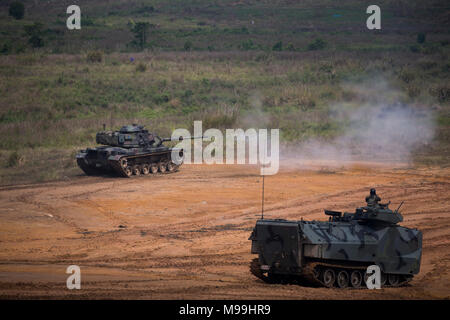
(304, 67)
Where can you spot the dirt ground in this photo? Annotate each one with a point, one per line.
(184, 235)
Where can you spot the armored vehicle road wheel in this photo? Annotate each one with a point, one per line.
(393, 279)
(154, 168)
(145, 169)
(329, 277)
(128, 171)
(171, 167)
(136, 170)
(162, 167)
(356, 279)
(342, 279)
(366, 277)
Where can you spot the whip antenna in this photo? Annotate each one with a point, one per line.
(262, 200)
(263, 175)
(399, 206)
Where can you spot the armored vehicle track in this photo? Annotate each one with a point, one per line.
(329, 275)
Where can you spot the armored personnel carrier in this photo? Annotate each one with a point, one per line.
(130, 151)
(336, 253)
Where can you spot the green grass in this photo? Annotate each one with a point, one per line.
(225, 25)
(53, 101)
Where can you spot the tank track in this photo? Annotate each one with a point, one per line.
(90, 171)
(138, 165)
(314, 272)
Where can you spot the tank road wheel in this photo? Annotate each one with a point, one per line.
(393, 279)
(123, 162)
(128, 171)
(136, 170)
(153, 168)
(342, 279)
(329, 278)
(171, 167)
(162, 167)
(356, 279)
(145, 169)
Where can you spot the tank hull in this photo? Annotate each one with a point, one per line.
(127, 162)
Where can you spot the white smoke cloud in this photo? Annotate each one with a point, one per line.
(375, 131)
(255, 116)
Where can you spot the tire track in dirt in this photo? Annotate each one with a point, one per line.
(186, 234)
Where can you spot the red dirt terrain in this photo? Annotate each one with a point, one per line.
(184, 235)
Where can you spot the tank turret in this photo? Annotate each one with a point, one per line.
(132, 150)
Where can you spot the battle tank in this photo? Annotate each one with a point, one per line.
(337, 252)
(130, 151)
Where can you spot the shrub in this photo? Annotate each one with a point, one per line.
(414, 48)
(145, 9)
(306, 103)
(427, 65)
(141, 67)
(6, 48)
(278, 46)
(187, 46)
(413, 91)
(407, 76)
(247, 45)
(290, 47)
(421, 37)
(140, 30)
(431, 48)
(94, 56)
(349, 95)
(17, 10)
(441, 93)
(35, 33)
(14, 159)
(220, 120)
(161, 98)
(36, 41)
(317, 44)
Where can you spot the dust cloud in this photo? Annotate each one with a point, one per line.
(380, 129)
